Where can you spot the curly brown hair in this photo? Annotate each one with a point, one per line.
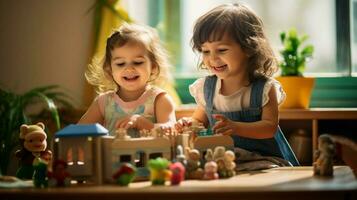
(99, 72)
(246, 28)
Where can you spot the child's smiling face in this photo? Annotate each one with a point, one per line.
(131, 66)
(225, 57)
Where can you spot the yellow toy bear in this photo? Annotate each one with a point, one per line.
(34, 144)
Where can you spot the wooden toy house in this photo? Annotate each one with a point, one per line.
(94, 156)
(80, 146)
(137, 151)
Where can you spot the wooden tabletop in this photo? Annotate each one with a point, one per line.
(281, 183)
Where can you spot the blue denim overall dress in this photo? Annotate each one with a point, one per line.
(277, 146)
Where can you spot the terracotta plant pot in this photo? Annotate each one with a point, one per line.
(298, 91)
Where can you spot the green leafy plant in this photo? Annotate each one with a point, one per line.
(15, 109)
(294, 54)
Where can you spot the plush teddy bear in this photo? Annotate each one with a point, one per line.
(33, 145)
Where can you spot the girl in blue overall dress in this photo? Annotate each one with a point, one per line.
(240, 98)
(277, 146)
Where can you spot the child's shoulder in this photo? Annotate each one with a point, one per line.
(200, 82)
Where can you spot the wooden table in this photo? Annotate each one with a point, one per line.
(281, 183)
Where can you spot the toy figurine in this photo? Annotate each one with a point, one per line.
(210, 171)
(122, 134)
(59, 177)
(125, 174)
(193, 170)
(34, 144)
(180, 156)
(178, 173)
(323, 164)
(218, 157)
(158, 171)
(229, 163)
(40, 179)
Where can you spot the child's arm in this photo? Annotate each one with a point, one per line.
(93, 114)
(164, 110)
(264, 128)
(198, 115)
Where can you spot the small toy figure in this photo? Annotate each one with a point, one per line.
(59, 177)
(210, 171)
(229, 163)
(158, 171)
(218, 157)
(323, 165)
(180, 156)
(40, 179)
(122, 134)
(193, 170)
(125, 174)
(34, 144)
(178, 173)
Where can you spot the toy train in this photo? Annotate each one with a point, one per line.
(93, 156)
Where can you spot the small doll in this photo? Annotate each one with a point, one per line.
(193, 170)
(229, 163)
(210, 171)
(125, 174)
(323, 165)
(180, 156)
(34, 144)
(59, 177)
(158, 171)
(178, 173)
(218, 157)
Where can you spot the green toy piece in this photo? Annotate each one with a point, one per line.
(159, 172)
(40, 179)
(125, 174)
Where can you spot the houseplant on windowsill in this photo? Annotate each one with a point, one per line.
(294, 57)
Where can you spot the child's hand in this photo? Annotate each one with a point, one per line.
(183, 122)
(223, 125)
(135, 121)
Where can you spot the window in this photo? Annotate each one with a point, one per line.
(353, 25)
(155, 155)
(323, 20)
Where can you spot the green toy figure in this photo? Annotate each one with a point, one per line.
(40, 179)
(125, 174)
(34, 144)
(159, 172)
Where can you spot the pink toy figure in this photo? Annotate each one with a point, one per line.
(210, 171)
(34, 144)
(178, 173)
(125, 174)
(59, 177)
(323, 165)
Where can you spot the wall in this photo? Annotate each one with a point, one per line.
(46, 42)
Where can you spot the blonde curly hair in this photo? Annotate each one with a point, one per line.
(98, 72)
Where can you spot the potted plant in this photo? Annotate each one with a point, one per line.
(18, 109)
(294, 57)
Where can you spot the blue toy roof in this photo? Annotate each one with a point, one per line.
(78, 130)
